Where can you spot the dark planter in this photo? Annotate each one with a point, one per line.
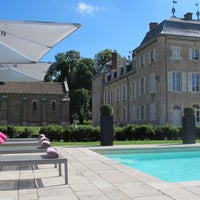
(188, 123)
(106, 125)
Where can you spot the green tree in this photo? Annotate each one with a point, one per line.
(78, 72)
(102, 57)
(80, 98)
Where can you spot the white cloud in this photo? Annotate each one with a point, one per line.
(85, 8)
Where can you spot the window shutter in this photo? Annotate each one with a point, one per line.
(190, 53)
(143, 60)
(184, 82)
(190, 82)
(169, 81)
(149, 55)
(154, 55)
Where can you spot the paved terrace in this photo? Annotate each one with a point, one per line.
(91, 176)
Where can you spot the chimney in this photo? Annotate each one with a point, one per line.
(114, 60)
(152, 25)
(188, 16)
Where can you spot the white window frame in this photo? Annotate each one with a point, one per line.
(176, 81)
(195, 82)
(194, 54)
(152, 56)
(152, 83)
(152, 111)
(142, 86)
(176, 53)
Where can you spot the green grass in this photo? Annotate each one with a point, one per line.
(119, 143)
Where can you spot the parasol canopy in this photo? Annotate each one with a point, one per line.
(29, 41)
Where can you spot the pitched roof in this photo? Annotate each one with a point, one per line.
(33, 87)
(174, 26)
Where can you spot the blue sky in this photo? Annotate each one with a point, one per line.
(114, 24)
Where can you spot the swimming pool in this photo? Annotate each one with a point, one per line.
(168, 164)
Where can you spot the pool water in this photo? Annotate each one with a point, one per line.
(167, 164)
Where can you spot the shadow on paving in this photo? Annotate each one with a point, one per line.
(20, 184)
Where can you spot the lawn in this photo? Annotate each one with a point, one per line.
(119, 143)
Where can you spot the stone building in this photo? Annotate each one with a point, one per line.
(164, 76)
(34, 103)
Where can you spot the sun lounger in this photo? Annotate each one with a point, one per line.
(21, 149)
(20, 143)
(34, 159)
(21, 139)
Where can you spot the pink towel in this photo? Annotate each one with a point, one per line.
(3, 136)
(1, 140)
(45, 144)
(52, 152)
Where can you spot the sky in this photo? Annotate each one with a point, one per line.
(105, 24)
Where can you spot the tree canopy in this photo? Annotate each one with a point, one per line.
(78, 72)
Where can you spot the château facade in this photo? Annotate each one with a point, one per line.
(162, 78)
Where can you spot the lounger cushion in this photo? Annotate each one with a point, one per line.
(45, 144)
(52, 152)
(3, 136)
(43, 139)
(41, 136)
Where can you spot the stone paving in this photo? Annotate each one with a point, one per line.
(91, 176)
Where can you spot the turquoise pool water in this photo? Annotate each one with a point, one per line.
(167, 164)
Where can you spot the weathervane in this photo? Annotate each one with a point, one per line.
(198, 13)
(173, 9)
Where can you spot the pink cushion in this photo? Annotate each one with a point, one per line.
(45, 144)
(1, 140)
(41, 135)
(52, 152)
(3, 136)
(43, 139)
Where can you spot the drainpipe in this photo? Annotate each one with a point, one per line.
(166, 80)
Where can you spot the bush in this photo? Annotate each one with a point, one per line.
(167, 132)
(144, 132)
(106, 109)
(188, 111)
(53, 132)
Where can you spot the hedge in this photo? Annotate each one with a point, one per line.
(89, 133)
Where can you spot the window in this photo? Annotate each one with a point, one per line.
(197, 113)
(152, 83)
(34, 104)
(142, 112)
(124, 114)
(142, 61)
(124, 92)
(142, 86)
(195, 82)
(176, 81)
(193, 54)
(152, 111)
(152, 56)
(111, 96)
(53, 105)
(133, 90)
(118, 94)
(176, 53)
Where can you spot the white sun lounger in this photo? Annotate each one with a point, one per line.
(34, 159)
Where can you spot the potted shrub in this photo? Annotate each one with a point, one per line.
(106, 125)
(188, 124)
